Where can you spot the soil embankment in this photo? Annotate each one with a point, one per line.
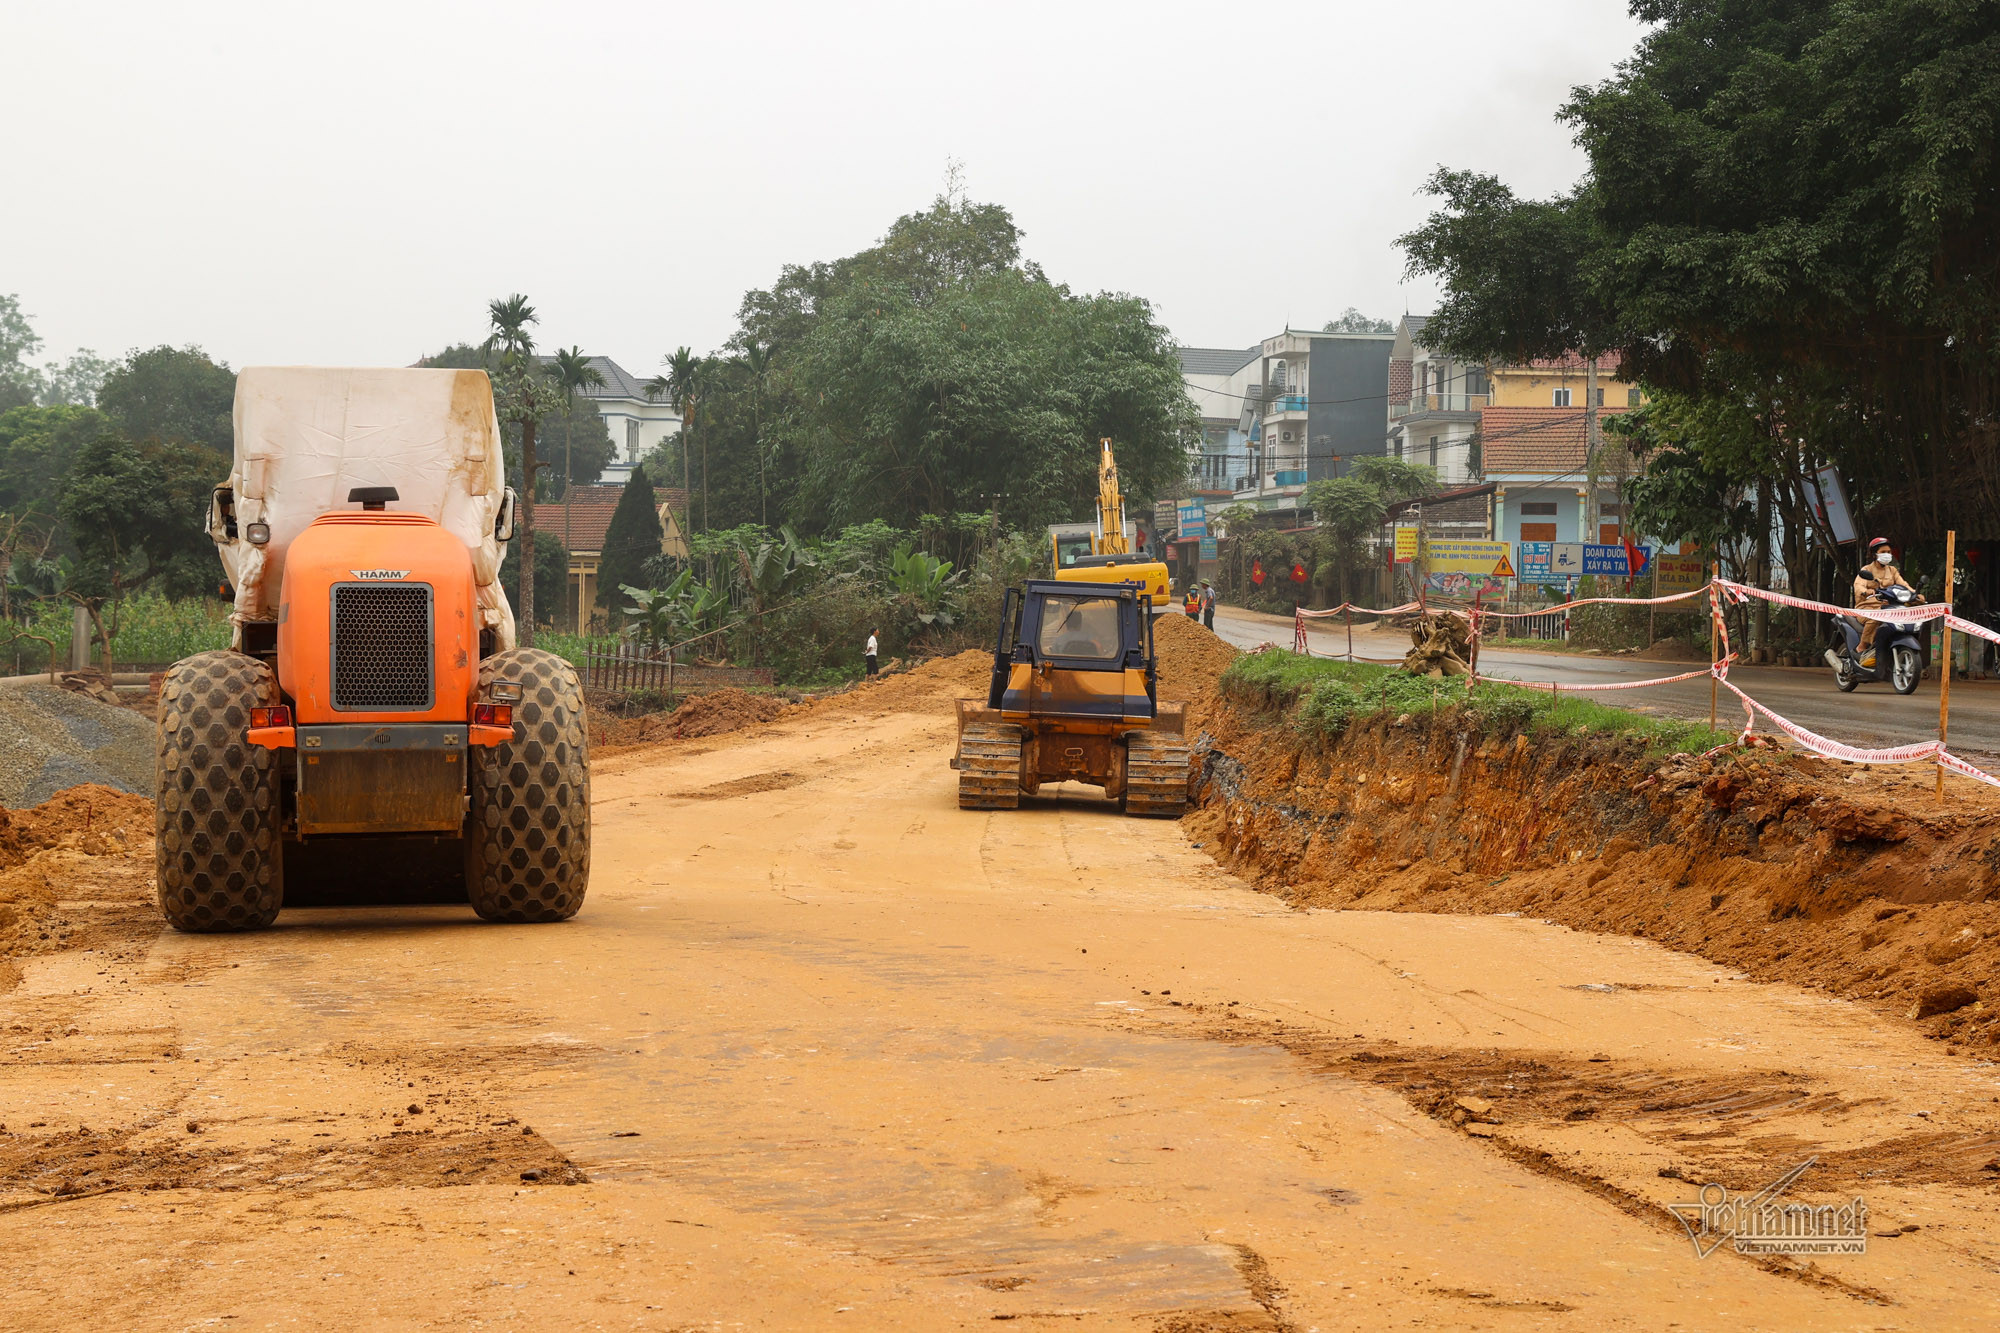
(1786, 866)
(76, 872)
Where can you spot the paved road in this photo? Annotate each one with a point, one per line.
(1874, 715)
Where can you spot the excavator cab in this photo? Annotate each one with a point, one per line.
(1073, 697)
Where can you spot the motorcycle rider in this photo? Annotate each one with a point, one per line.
(1878, 573)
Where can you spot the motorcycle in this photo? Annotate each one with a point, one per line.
(1899, 657)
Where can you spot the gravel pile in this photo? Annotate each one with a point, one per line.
(52, 739)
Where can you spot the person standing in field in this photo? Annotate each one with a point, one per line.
(869, 655)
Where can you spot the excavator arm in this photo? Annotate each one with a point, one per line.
(1111, 539)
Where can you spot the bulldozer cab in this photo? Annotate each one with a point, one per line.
(1076, 649)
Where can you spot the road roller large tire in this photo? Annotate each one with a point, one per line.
(217, 803)
(989, 776)
(1156, 774)
(527, 840)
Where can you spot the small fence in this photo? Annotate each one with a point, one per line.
(617, 667)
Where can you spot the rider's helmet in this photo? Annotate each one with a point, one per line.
(1877, 545)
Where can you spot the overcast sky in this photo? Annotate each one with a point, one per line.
(349, 183)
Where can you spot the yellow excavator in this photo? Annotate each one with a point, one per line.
(1074, 697)
(1101, 552)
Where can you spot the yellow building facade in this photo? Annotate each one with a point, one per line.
(1561, 382)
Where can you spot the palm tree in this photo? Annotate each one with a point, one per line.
(525, 397)
(510, 319)
(682, 386)
(574, 373)
(757, 358)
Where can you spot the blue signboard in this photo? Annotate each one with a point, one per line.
(1611, 560)
(1208, 548)
(1534, 561)
(1194, 520)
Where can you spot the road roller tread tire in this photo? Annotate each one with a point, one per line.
(989, 776)
(527, 839)
(1156, 775)
(218, 804)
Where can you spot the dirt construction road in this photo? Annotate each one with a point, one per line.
(824, 1052)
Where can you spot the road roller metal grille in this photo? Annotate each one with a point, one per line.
(381, 646)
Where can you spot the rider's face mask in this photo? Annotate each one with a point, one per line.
(1885, 558)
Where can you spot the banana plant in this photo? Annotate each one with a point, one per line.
(924, 579)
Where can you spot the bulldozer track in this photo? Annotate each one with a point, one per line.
(990, 775)
(1156, 776)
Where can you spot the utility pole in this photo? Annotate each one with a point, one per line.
(1590, 429)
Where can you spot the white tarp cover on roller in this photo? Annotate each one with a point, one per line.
(306, 436)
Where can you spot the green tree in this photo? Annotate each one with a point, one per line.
(938, 372)
(20, 382)
(683, 386)
(757, 365)
(551, 574)
(1788, 214)
(172, 393)
(1353, 321)
(38, 446)
(1349, 509)
(1394, 478)
(632, 539)
(524, 394)
(133, 511)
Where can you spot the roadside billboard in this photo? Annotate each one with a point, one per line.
(1678, 573)
(1454, 555)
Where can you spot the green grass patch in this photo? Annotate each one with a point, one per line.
(1324, 698)
(152, 630)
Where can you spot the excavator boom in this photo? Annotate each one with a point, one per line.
(1111, 539)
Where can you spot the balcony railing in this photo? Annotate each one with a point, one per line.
(1285, 402)
(1439, 402)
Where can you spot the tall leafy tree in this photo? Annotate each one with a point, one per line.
(172, 393)
(524, 395)
(19, 380)
(632, 539)
(683, 386)
(133, 512)
(1790, 214)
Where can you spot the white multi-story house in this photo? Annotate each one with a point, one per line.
(638, 424)
(1222, 382)
(1434, 406)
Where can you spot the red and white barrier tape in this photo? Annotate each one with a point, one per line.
(1820, 745)
(1364, 610)
(1946, 759)
(1893, 615)
(1591, 601)
(1976, 631)
(1623, 684)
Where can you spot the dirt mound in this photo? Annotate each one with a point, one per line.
(75, 872)
(1788, 867)
(927, 686)
(712, 714)
(1192, 660)
(77, 817)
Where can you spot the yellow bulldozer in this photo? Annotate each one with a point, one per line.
(1074, 698)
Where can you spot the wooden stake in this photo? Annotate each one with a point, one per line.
(1714, 647)
(1348, 613)
(1944, 677)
